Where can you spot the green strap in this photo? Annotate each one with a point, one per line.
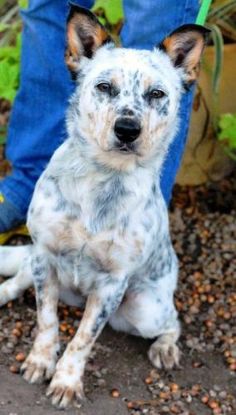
(202, 14)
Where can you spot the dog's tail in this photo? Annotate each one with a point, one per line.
(12, 258)
(15, 262)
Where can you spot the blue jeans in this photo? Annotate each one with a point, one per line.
(37, 124)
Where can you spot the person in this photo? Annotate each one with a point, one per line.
(37, 123)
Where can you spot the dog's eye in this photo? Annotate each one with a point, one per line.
(104, 87)
(156, 94)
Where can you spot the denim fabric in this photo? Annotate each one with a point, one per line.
(37, 124)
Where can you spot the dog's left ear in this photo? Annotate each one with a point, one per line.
(85, 35)
(185, 47)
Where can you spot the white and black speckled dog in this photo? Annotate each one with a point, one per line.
(98, 220)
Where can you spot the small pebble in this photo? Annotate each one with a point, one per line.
(148, 380)
(115, 393)
(14, 369)
(20, 357)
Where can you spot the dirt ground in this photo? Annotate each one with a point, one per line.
(203, 230)
(127, 367)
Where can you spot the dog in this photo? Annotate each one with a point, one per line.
(97, 219)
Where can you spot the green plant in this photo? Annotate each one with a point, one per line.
(10, 46)
(112, 12)
(9, 69)
(109, 12)
(227, 133)
(222, 23)
(222, 14)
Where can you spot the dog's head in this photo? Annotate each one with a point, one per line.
(125, 108)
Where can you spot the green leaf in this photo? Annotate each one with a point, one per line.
(23, 4)
(14, 75)
(11, 53)
(8, 94)
(4, 73)
(9, 75)
(5, 52)
(18, 43)
(2, 3)
(112, 9)
(221, 8)
(219, 52)
(3, 133)
(4, 26)
(227, 125)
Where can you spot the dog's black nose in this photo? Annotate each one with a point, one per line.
(127, 129)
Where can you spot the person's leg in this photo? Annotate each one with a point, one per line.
(147, 23)
(37, 121)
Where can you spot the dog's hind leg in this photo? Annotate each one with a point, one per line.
(164, 351)
(15, 260)
(15, 286)
(151, 314)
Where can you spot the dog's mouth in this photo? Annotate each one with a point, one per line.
(126, 148)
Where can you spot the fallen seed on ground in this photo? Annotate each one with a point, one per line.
(205, 399)
(20, 357)
(213, 404)
(115, 393)
(148, 380)
(14, 369)
(174, 387)
(17, 332)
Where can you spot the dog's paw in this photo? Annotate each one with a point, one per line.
(163, 354)
(63, 392)
(37, 367)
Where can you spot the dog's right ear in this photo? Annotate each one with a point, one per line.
(185, 47)
(85, 35)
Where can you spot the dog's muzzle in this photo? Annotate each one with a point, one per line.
(127, 130)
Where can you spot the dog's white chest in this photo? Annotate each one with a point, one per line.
(93, 227)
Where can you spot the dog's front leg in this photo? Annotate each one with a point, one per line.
(67, 384)
(41, 361)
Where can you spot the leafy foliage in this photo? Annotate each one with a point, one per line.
(222, 14)
(10, 46)
(9, 69)
(227, 133)
(221, 21)
(112, 10)
(109, 11)
(23, 4)
(110, 14)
